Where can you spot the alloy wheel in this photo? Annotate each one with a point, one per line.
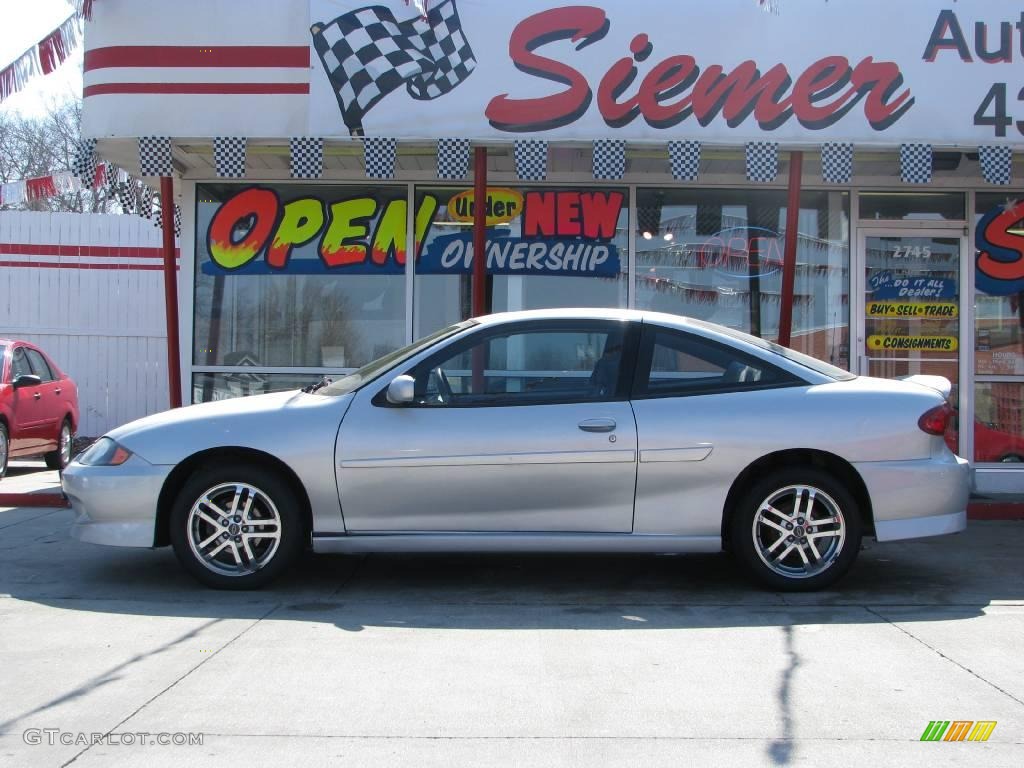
(234, 529)
(799, 531)
(65, 445)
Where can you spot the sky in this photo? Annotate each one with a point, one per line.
(22, 25)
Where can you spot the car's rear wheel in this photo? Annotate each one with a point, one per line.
(797, 530)
(236, 527)
(5, 449)
(62, 456)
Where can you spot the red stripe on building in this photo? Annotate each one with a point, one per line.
(284, 56)
(213, 89)
(30, 249)
(82, 265)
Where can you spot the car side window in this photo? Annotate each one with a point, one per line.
(526, 366)
(675, 363)
(19, 363)
(39, 365)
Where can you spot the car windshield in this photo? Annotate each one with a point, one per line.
(373, 369)
(816, 365)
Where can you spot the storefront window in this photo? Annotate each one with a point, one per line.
(546, 247)
(998, 325)
(298, 276)
(207, 387)
(911, 206)
(717, 255)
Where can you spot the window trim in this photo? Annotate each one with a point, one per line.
(627, 362)
(645, 356)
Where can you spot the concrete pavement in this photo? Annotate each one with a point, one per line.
(508, 660)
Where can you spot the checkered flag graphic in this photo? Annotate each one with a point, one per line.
(916, 163)
(155, 156)
(84, 164)
(531, 159)
(146, 210)
(307, 157)
(177, 220)
(126, 196)
(685, 159)
(996, 164)
(762, 161)
(368, 53)
(609, 159)
(452, 158)
(229, 156)
(837, 162)
(379, 157)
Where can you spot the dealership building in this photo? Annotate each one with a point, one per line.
(848, 187)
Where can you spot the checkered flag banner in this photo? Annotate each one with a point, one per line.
(837, 162)
(368, 53)
(155, 156)
(379, 157)
(609, 159)
(84, 165)
(996, 164)
(531, 159)
(916, 163)
(307, 157)
(452, 158)
(685, 159)
(762, 161)
(126, 196)
(146, 211)
(229, 156)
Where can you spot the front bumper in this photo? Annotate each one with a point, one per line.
(919, 498)
(115, 506)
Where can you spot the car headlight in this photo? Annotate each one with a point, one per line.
(105, 452)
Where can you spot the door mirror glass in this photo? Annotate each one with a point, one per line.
(27, 380)
(402, 390)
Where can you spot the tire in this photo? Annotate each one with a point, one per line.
(1011, 458)
(758, 540)
(60, 458)
(5, 449)
(236, 556)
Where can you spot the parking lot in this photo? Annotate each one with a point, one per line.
(504, 660)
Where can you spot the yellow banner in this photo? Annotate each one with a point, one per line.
(912, 343)
(913, 309)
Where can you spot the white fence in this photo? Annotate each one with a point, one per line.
(88, 289)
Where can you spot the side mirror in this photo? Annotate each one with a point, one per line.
(402, 390)
(26, 380)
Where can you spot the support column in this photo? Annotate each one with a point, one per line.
(479, 290)
(171, 291)
(796, 163)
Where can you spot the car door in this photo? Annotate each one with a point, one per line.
(27, 430)
(704, 410)
(521, 427)
(51, 410)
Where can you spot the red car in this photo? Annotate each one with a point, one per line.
(38, 406)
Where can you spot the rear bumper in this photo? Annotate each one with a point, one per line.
(914, 499)
(115, 506)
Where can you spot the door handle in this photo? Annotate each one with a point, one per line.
(57, 391)
(36, 395)
(598, 425)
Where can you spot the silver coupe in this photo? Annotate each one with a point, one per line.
(546, 431)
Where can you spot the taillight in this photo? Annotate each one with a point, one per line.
(936, 420)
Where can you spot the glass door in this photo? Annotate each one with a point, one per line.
(909, 321)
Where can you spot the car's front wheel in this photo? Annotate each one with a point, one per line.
(797, 530)
(237, 526)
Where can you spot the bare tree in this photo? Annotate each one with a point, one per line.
(39, 146)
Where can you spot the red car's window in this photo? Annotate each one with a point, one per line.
(39, 366)
(19, 364)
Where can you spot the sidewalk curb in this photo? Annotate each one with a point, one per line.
(995, 510)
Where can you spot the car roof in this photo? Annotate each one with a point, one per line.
(580, 313)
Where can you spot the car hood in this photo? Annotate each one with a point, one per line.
(261, 422)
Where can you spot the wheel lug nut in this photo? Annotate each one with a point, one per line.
(245, 529)
(789, 539)
(224, 521)
(237, 519)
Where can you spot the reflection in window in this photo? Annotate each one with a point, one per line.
(562, 222)
(999, 304)
(999, 422)
(531, 367)
(304, 314)
(717, 255)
